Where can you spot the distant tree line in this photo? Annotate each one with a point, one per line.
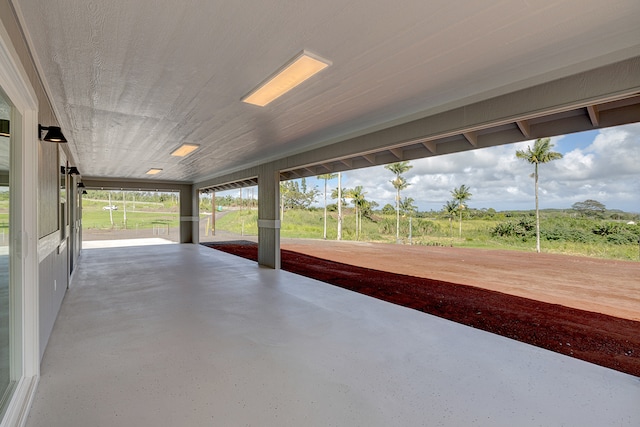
(140, 196)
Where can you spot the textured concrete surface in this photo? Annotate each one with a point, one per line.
(184, 335)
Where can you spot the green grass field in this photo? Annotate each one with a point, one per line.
(476, 233)
(561, 233)
(139, 215)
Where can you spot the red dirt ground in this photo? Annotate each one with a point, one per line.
(582, 307)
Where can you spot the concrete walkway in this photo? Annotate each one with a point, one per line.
(182, 335)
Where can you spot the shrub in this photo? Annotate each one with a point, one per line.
(606, 229)
(569, 234)
(524, 227)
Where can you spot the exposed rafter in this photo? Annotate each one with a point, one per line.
(347, 162)
(472, 137)
(524, 127)
(397, 152)
(371, 158)
(431, 146)
(328, 167)
(594, 114)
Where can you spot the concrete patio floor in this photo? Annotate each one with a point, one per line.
(172, 335)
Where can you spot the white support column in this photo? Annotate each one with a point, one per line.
(269, 217)
(189, 220)
(195, 213)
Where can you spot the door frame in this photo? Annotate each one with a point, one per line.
(25, 352)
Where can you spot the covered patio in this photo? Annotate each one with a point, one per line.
(147, 95)
(185, 335)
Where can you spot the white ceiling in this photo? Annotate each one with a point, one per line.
(132, 80)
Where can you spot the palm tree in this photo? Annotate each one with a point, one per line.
(284, 194)
(540, 153)
(338, 193)
(408, 208)
(450, 209)
(357, 198)
(461, 195)
(326, 177)
(399, 183)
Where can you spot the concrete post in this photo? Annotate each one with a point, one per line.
(268, 217)
(189, 216)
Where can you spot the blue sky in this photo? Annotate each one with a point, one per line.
(603, 165)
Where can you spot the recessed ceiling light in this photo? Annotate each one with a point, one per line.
(154, 171)
(296, 71)
(185, 149)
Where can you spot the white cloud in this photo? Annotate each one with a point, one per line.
(603, 165)
(605, 168)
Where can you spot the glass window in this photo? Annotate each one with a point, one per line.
(5, 279)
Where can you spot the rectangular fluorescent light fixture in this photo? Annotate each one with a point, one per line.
(302, 67)
(185, 149)
(154, 171)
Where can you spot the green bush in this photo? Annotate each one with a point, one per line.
(524, 228)
(606, 229)
(564, 233)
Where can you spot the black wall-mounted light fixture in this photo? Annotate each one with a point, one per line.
(81, 185)
(54, 134)
(5, 128)
(84, 191)
(71, 170)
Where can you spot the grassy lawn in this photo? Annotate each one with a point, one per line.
(144, 215)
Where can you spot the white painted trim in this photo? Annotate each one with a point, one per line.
(15, 83)
(48, 245)
(30, 236)
(269, 223)
(18, 408)
(13, 77)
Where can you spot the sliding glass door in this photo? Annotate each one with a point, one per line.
(6, 292)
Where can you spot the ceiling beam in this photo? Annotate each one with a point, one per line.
(524, 127)
(371, 158)
(472, 137)
(132, 184)
(328, 167)
(430, 145)
(594, 114)
(396, 152)
(347, 162)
